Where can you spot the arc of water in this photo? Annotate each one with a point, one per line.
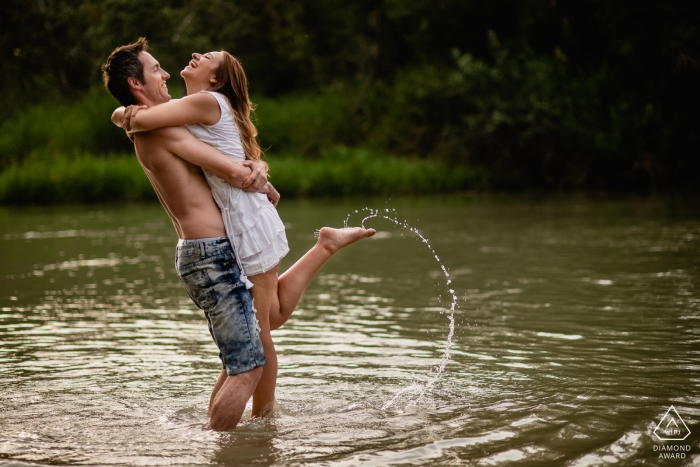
(421, 390)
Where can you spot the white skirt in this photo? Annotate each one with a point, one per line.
(252, 225)
(262, 246)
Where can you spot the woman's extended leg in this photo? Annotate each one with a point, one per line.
(296, 279)
(275, 300)
(263, 291)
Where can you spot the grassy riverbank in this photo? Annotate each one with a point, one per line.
(117, 178)
(71, 153)
(82, 179)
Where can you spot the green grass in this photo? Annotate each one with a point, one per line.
(343, 172)
(71, 153)
(67, 129)
(80, 179)
(307, 123)
(338, 172)
(298, 124)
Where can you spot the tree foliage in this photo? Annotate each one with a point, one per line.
(552, 94)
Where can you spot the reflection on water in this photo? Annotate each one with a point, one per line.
(576, 329)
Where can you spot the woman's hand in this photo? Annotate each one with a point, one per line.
(272, 195)
(129, 114)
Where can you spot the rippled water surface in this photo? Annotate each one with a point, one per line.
(577, 327)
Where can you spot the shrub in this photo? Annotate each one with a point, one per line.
(305, 124)
(67, 129)
(521, 121)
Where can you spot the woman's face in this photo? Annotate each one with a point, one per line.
(202, 68)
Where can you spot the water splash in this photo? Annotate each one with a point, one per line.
(390, 215)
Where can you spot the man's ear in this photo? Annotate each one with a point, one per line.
(133, 82)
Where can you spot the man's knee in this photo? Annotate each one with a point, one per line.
(244, 381)
(256, 373)
(250, 378)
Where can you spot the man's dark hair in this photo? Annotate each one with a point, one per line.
(121, 65)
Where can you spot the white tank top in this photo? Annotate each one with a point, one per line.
(223, 135)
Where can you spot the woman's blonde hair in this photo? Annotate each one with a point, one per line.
(232, 83)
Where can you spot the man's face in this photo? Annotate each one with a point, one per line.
(154, 89)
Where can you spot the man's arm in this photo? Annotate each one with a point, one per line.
(272, 194)
(248, 175)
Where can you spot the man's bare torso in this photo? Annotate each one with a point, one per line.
(180, 185)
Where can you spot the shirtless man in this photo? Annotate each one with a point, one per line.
(171, 158)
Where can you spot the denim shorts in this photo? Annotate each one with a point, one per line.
(210, 275)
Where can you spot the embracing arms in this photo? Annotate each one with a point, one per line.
(248, 175)
(197, 108)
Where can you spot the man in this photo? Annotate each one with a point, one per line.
(171, 158)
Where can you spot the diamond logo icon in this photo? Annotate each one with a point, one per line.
(671, 427)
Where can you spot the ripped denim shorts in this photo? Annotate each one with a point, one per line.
(209, 272)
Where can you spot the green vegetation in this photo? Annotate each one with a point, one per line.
(82, 179)
(306, 124)
(339, 172)
(69, 159)
(342, 171)
(45, 131)
(522, 96)
(47, 159)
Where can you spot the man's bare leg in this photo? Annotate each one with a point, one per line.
(217, 386)
(296, 279)
(229, 401)
(263, 292)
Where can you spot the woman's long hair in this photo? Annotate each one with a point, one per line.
(232, 83)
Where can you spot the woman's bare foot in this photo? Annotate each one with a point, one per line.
(335, 239)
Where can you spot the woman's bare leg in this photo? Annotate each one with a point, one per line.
(296, 279)
(275, 299)
(263, 292)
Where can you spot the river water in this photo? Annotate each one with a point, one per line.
(577, 327)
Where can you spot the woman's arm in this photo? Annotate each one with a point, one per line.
(197, 108)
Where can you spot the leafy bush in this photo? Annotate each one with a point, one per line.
(307, 123)
(521, 121)
(66, 129)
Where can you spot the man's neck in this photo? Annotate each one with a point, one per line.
(142, 99)
(146, 102)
